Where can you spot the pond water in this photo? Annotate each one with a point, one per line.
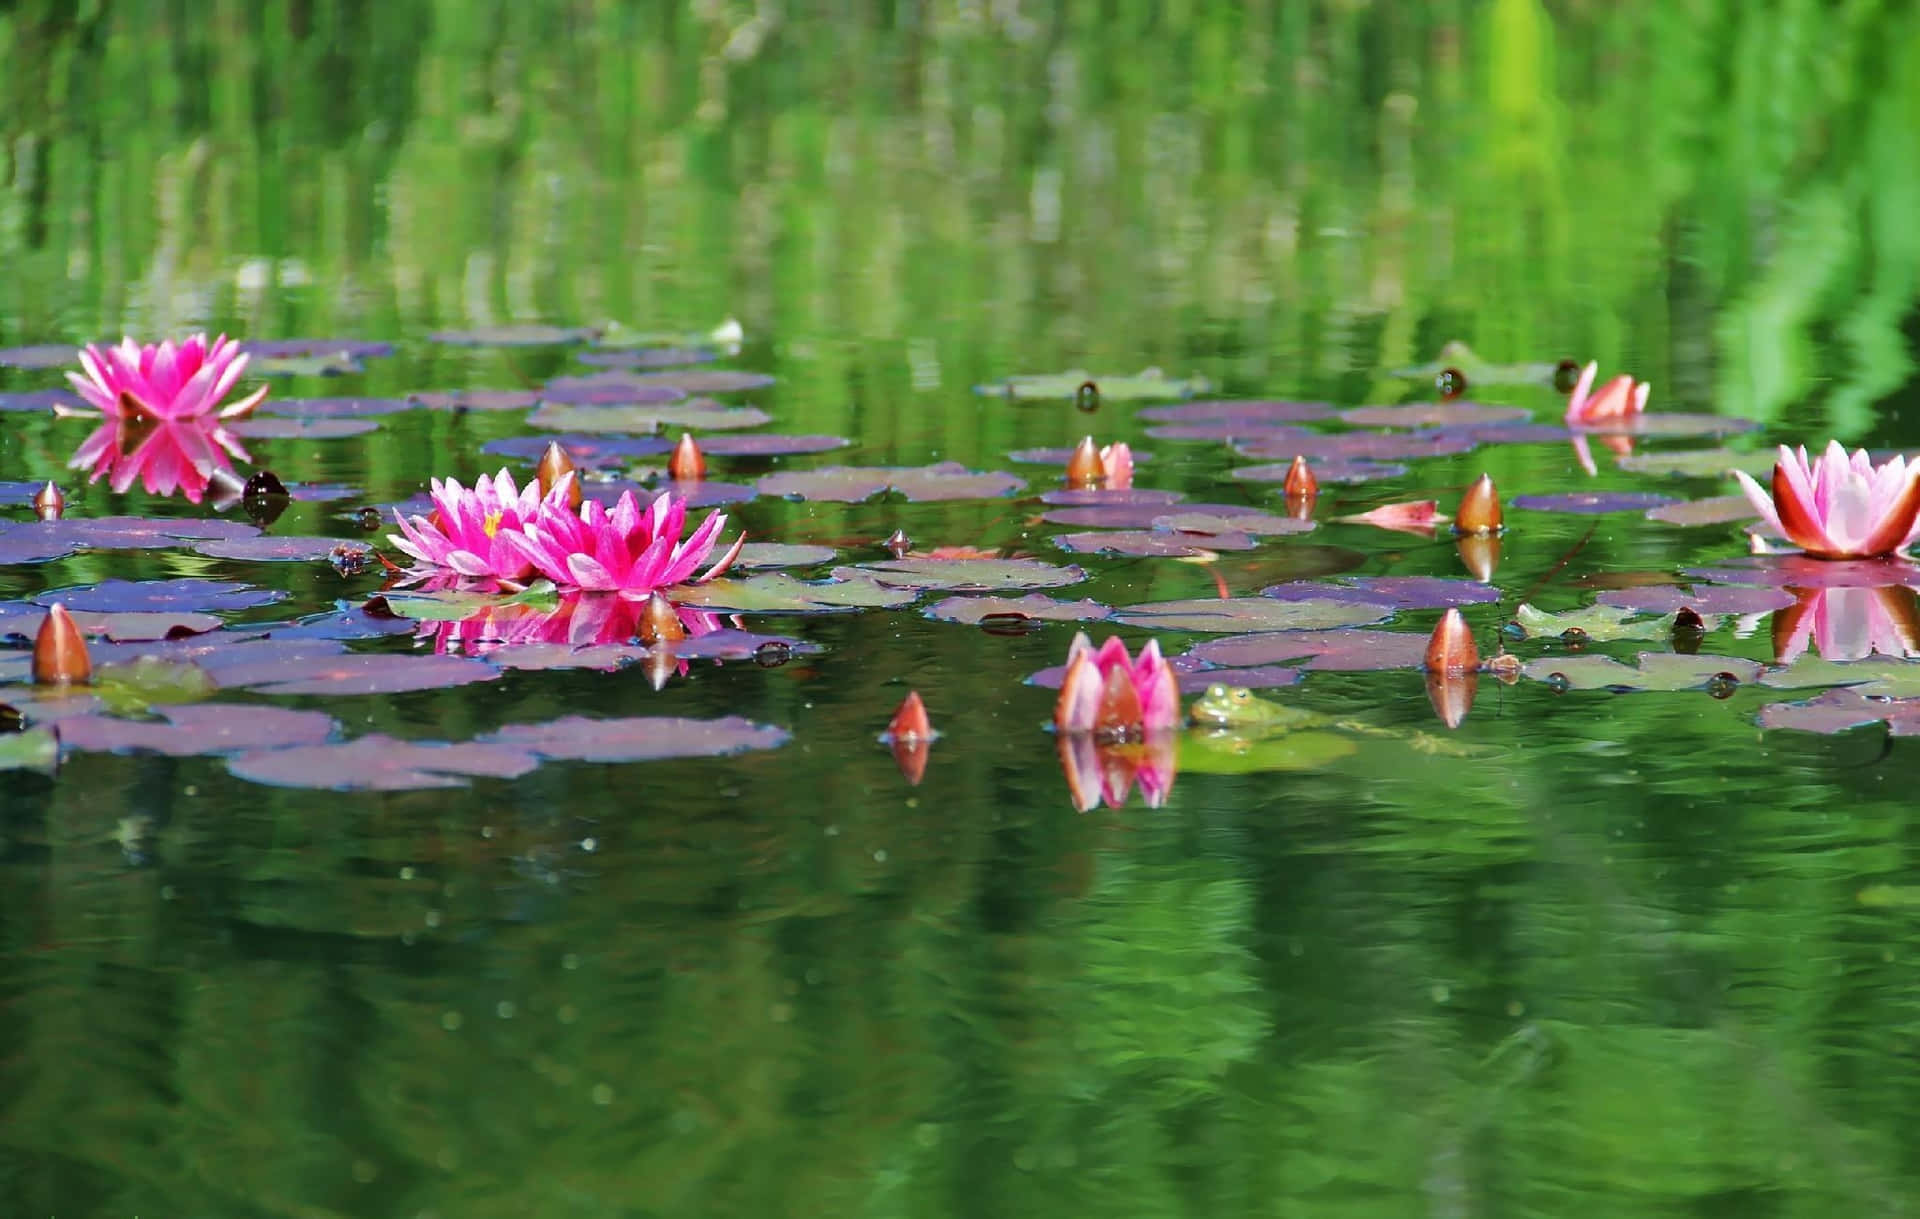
(1584, 938)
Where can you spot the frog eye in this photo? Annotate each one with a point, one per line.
(1242, 694)
(1216, 691)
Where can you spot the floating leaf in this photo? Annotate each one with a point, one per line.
(1705, 599)
(1838, 710)
(776, 592)
(587, 451)
(851, 484)
(330, 364)
(1326, 469)
(640, 739)
(647, 357)
(1248, 614)
(203, 728)
(372, 673)
(274, 549)
(1699, 463)
(1152, 543)
(182, 593)
(768, 444)
(511, 335)
(453, 604)
(783, 554)
(1802, 571)
(131, 532)
(1094, 497)
(288, 349)
(1186, 518)
(1038, 606)
(32, 542)
(1346, 650)
(964, 575)
(483, 399)
(698, 416)
(41, 355)
(1432, 414)
(302, 429)
(1714, 510)
(700, 493)
(134, 686)
(40, 401)
(17, 618)
(1059, 457)
(1592, 502)
(1654, 671)
(334, 408)
(380, 763)
(604, 387)
(1250, 414)
(1213, 752)
(34, 749)
(1393, 592)
(1655, 424)
(1143, 386)
(1598, 622)
(1375, 446)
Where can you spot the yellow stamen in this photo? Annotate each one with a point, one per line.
(492, 523)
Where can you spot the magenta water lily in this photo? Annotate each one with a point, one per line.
(470, 531)
(163, 381)
(627, 549)
(1838, 506)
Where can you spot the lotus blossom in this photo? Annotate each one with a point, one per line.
(628, 549)
(1620, 398)
(164, 380)
(171, 455)
(471, 532)
(1099, 770)
(1112, 695)
(1839, 507)
(1848, 623)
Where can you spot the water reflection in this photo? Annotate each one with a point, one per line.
(1098, 770)
(166, 456)
(578, 620)
(1848, 623)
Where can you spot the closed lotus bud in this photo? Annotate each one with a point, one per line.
(49, 502)
(1452, 695)
(1300, 484)
(59, 652)
(910, 722)
(1452, 650)
(1479, 508)
(1084, 468)
(688, 463)
(554, 466)
(1480, 553)
(660, 622)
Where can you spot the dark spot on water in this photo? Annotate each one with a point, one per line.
(1558, 683)
(1087, 397)
(1722, 685)
(1575, 638)
(264, 484)
(1008, 622)
(370, 519)
(772, 654)
(377, 607)
(1566, 375)
(10, 719)
(1450, 383)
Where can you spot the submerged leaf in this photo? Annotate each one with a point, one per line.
(1214, 752)
(33, 749)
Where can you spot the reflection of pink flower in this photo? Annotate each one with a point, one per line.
(1848, 623)
(1620, 398)
(1099, 770)
(628, 550)
(580, 620)
(469, 531)
(171, 455)
(160, 381)
(1839, 507)
(1107, 692)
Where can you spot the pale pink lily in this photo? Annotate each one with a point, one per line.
(161, 381)
(627, 550)
(1620, 398)
(1839, 507)
(1111, 694)
(471, 532)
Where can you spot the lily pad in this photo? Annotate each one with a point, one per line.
(1881, 676)
(32, 542)
(1375, 446)
(134, 687)
(381, 763)
(964, 575)
(454, 604)
(1059, 457)
(1094, 497)
(852, 484)
(1654, 424)
(1213, 752)
(1592, 502)
(646, 357)
(515, 335)
(776, 592)
(1433, 414)
(1143, 386)
(1198, 518)
(1343, 650)
(1240, 614)
(1393, 592)
(1800, 571)
(302, 429)
(1654, 671)
(605, 387)
(289, 349)
(181, 593)
(1152, 543)
(373, 673)
(698, 416)
(783, 554)
(1251, 414)
(1038, 606)
(274, 549)
(334, 408)
(1325, 469)
(330, 364)
(1838, 710)
(1703, 599)
(34, 749)
(1698, 463)
(131, 626)
(481, 399)
(39, 401)
(639, 739)
(133, 532)
(41, 355)
(1598, 622)
(1714, 510)
(201, 728)
(587, 451)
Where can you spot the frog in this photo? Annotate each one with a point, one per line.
(1235, 731)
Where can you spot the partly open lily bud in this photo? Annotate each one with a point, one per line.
(910, 722)
(1452, 650)
(1116, 463)
(660, 622)
(1479, 508)
(49, 502)
(1084, 468)
(59, 651)
(555, 465)
(688, 463)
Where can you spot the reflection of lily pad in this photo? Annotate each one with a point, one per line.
(1142, 386)
(1655, 671)
(965, 575)
(1239, 614)
(851, 484)
(699, 416)
(1838, 710)
(1212, 752)
(1039, 606)
(776, 592)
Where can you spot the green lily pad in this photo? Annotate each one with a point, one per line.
(1654, 671)
(776, 592)
(1236, 615)
(965, 575)
(1877, 675)
(728, 335)
(1148, 385)
(136, 685)
(34, 749)
(1714, 510)
(1600, 623)
(1212, 752)
(695, 416)
(1698, 463)
(455, 605)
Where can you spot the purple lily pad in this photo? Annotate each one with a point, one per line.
(1376, 446)
(585, 450)
(1511, 433)
(1704, 599)
(41, 355)
(39, 400)
(768, 444)
(1433, 414)
(1666, 671)
(1060, 457)
(181, 593)
(1228, 430)
(230, 657)
(137, 532)
(319, 493)
(347, 620)
(1206, 518)
(1698, 463)
(293, 349)
(1801, 571)
(302, 429)
(1261, 677)
(1200, 520)
(366, 673)
(32, 543)
(1838, 710)
(269, 549)
(964, 575)
(1249, 614)
(1714, 510)
(595, 387)
(776, 592)
(515, 335)
(851, 484)
(1655, 424)
(24, 618)
(475, 399)
(783, 554)
(1152, 543)
(19, 493)
(606, 657)
(646, 357)
(1334, 650)
(639, 739)
(381, 763)
(1592, 502)
(1394, 592)
(1038, 606)
(334, 408)
(199, 728)
(1253, 413)
(700, 493)
(1096, 497)
(1326, 469)
(698, 415)
(728, 643)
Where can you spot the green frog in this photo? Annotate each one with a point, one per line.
(1236, 732)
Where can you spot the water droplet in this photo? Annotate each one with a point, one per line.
(1450, 384)
(1558, 683)
(772, 654)
(589, 844)
(406, 873)
(370, 519)
(602, 1094)
(1566, 375)
(504, 1009)
(1722, 685)
(1575, 638)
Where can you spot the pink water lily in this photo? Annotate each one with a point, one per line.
(577, 620)
(1111, 694)
(1839, 506)
(471, 532)
(174, 455)
(1098, 771)
(1620, 398)
(1848, 623)
(162, 381)
(627, 549)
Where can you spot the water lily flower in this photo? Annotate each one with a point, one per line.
(1620, 398)
(1848, 623)
(1109, 466)
(1112, 695)
(1839, 507)
(182, 455)
(628, 550)
(160, 381)
(473, 532)
(1108, 771)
